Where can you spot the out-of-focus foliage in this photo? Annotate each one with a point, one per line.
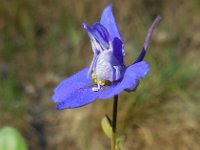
(42, 42)
(10, 139)
(11, 92)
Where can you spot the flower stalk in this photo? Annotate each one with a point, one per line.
(114, 122)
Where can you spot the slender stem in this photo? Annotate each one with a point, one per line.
(114, 122)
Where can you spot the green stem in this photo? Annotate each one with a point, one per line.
(114, 122)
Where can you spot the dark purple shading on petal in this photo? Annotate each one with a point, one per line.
(99, 33)
(118, 50)
(79, 98)
(148, 39)
(108, 21)
(131, 77)
(69, 85)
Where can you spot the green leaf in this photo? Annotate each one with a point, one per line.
(106, 126)
(10, 139)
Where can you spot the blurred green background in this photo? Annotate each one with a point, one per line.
(42, 42)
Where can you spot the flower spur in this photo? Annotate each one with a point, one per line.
(107, 75)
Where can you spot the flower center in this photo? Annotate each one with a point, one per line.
(99, 83)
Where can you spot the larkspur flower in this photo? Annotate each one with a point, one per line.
(107, 75)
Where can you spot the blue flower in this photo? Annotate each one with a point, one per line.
(107, 75)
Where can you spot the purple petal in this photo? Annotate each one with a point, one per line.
(148, 39)
(130, 81)
(150, 32)
(69, 85)
(99, 35)
(79, 98)
(108, 21)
